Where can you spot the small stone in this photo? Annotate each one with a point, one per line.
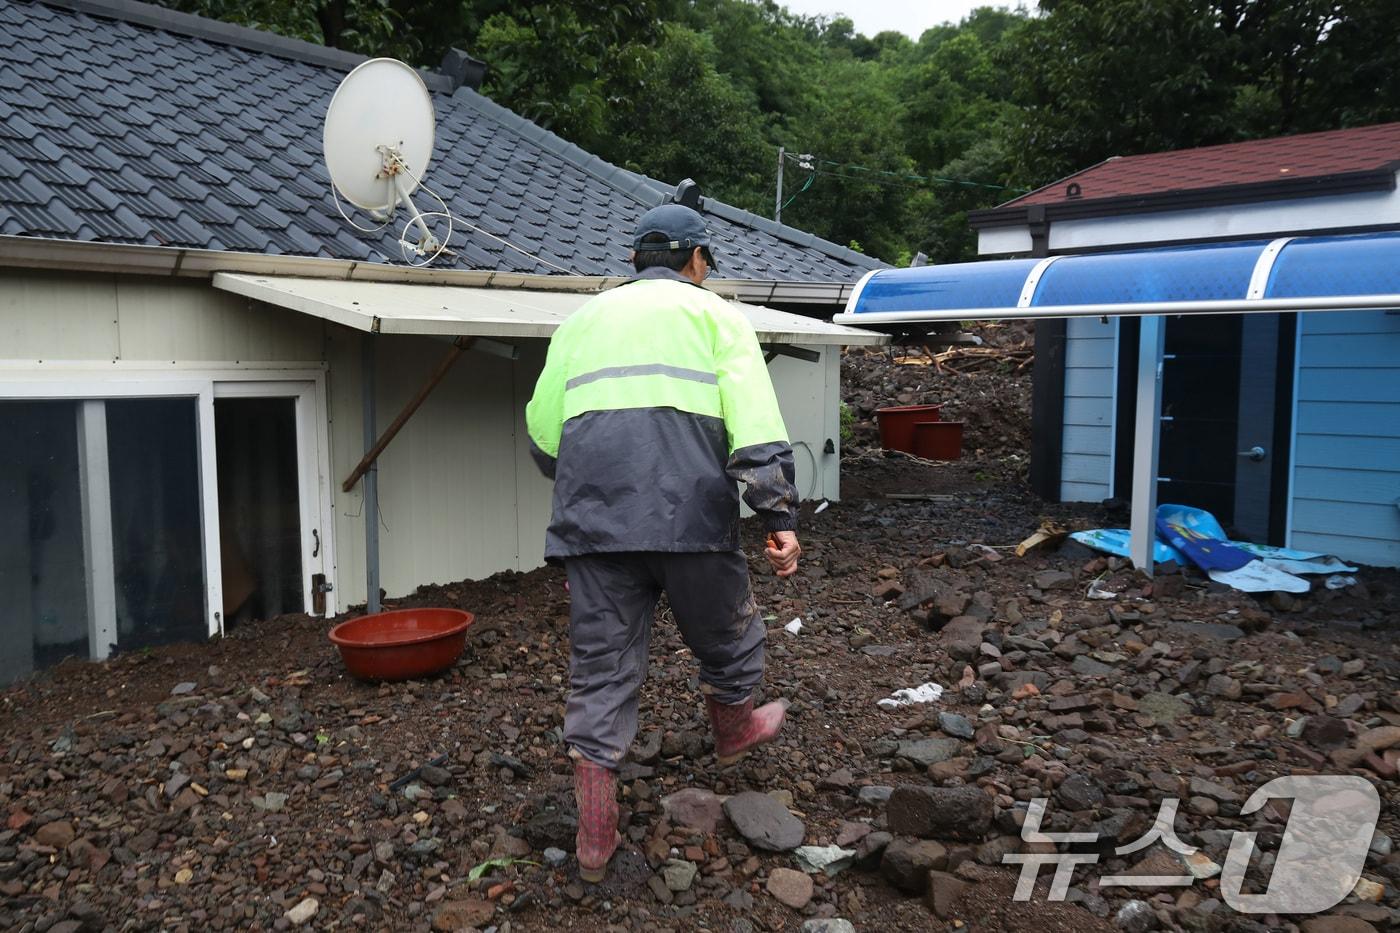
(659, 889)
(1325, 733)
(1053, 580)
(272, 802)
(555, 857)
(831, 860)
(1368, 890)
(1224, 686)
(1136, 917)
(764, 822)
(945, 812)
(873, 794)
(790, 887)
(959, 727)
(678, 874)
(850, 833)
(1376, 740)
(962, 637)
(183, 688)
(907, 862)
(944, 892)
(435, 776)
(303, 912)
(56, 834)
(1079, 792)
(466, 914)
(925, 752)
(1162, 709)
(1087, 667)
(828, 925)
(1219, 792)
(694, 807)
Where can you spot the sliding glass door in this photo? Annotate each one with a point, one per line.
(110, 505)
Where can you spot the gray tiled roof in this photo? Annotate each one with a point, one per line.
(126, 123)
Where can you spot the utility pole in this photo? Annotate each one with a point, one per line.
(778, 201)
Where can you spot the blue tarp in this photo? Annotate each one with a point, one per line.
(1188, 535)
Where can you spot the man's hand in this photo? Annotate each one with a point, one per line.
(782, 552)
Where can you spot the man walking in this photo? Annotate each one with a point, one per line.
(654, 400)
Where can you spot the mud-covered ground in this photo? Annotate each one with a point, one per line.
(251, 784)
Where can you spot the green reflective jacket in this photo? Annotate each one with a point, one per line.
(654, 400)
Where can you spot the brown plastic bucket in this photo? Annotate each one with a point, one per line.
(938, 440)
(897, 424)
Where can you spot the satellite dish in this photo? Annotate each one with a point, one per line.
(377, 142)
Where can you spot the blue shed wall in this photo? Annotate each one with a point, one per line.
(1345, 497)
(1091, 383)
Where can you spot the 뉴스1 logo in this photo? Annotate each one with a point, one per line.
(1319, 861)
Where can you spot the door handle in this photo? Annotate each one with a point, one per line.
(316, 537)
(1255, 453)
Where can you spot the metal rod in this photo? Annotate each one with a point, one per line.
(1146, 440)
(778, 201)
(1142, 309)
(459, 346)
(371, 509)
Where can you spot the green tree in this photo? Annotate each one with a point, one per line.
(370, 27)
(689, 121)
(1097, 78)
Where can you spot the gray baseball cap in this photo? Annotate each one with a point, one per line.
(682, 227)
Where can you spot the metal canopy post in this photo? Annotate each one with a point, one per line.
(1146, 442)
(371, 478)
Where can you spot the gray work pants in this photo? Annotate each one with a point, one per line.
(612, 601)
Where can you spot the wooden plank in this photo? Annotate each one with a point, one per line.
(1090, 353)
(1355, 519)
(1347, 451)
(1348, 350)
(1089, 383)
(1083, 492)
(1086, 468)
(1083, 439)
(1361, 550)
(1349, 384)
(1089, 411)
(1358, 419)
(1331, 484)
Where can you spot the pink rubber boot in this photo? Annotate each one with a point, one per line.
(595, 790)
(739, 727)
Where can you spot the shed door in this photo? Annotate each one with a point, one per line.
(1255, 452)
(1226, 393)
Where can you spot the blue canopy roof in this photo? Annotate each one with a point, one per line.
(1298, 273)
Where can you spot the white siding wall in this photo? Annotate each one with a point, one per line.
(459, 494)
(46, 316)
(1091, 380)
(1345, 497)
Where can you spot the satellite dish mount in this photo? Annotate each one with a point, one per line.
(378, 141)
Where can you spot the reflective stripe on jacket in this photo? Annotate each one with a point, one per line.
(654, 400)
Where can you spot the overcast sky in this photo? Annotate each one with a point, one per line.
(910, 17)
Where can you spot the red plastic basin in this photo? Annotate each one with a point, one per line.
(402, 644)
(897, 424)
(938, 440)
